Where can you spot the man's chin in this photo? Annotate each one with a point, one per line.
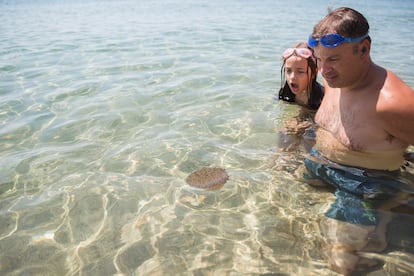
(332, 83)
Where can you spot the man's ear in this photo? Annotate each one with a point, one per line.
(363, 50)
(365, 47)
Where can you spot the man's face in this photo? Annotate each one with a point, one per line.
(339, 65)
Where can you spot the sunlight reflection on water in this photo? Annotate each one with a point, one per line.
(105, 109)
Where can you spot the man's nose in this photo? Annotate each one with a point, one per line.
(322, 66)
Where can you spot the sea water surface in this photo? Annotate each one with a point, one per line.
(107, 106)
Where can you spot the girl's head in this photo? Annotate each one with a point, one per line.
(298, 73)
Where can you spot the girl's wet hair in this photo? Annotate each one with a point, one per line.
(314, 90)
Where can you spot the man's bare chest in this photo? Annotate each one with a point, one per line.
(354, 126)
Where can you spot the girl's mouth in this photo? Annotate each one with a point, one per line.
(294, 86)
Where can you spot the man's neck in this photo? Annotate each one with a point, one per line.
(364, 80)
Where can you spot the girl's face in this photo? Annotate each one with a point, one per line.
(297, 74)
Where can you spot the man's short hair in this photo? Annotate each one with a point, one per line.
(344, 21)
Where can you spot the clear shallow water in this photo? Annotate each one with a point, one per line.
(106, 107)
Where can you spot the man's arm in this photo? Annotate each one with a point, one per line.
(396, 108)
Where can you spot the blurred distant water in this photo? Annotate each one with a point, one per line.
(107, 106)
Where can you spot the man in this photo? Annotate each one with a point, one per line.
(366, 118)
(366, 123)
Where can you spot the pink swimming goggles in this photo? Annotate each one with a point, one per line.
(301, 52)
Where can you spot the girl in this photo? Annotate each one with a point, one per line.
(300, 71)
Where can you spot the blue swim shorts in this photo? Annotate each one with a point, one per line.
(369, 184)
(358, 191)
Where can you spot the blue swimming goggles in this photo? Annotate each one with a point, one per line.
(333, 40)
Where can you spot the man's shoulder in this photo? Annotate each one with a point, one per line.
(394, 83)
(395, 92)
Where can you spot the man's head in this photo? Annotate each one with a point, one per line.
(342, 45)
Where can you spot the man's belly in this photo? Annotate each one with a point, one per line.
(327, 145)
